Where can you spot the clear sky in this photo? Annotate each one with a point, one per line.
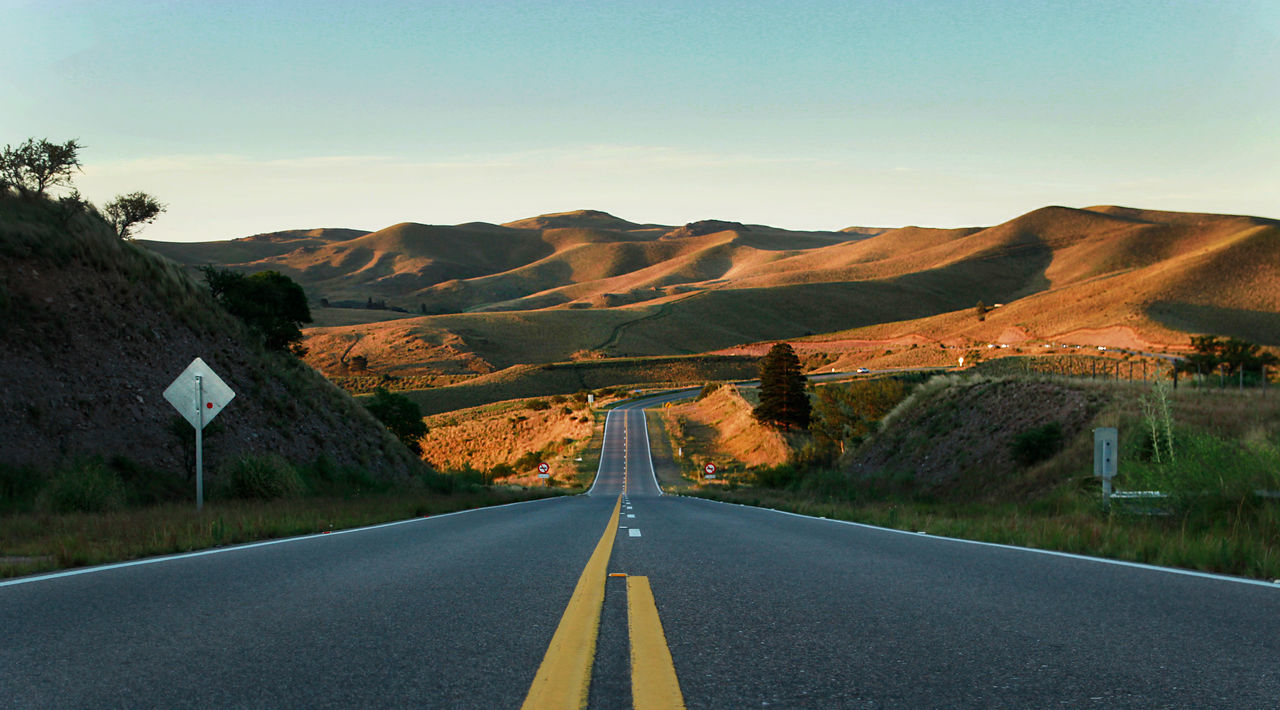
(248, 117)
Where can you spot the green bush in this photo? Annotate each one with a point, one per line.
(528, 460)
(400, 415)
(1209, 472)
(261, 477)
(1035, 445)
(538, 405)
(148, 486)
(19, 487)
(501, 470)
(780, 476)
(707, 390)
(87, 486)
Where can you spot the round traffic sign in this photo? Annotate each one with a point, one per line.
(543, 467)
(710, 469)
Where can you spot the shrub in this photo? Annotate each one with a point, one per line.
(400, 415)
(261, 477)
(780, 476)
(501, 470)
(538, 405)
(1209, 470)
(1035, 445)
(528, 460)
(707, 390)
(148, 486)
(19, 487)
(87, 486)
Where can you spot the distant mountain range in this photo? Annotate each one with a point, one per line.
(543, 288)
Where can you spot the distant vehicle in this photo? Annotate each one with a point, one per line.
(862, 371)
(1102, 347)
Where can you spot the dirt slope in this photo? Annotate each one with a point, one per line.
(952, 433)
(720, 428)
(92, 331)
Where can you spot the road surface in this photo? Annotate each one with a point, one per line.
(746, 608)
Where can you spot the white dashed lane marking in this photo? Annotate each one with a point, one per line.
(634, 532)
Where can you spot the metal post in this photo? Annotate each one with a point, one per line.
(200, 443)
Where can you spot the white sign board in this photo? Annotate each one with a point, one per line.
(182, 394)
(199, 394)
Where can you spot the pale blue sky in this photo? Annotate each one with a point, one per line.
(248, 117)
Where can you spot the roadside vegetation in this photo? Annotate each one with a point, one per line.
(95, 466)
(1009, 459)
(96, 511)
(505, 441)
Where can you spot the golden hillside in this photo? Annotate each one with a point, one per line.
(587, 284)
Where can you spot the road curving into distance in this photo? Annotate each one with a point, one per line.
(683, 601)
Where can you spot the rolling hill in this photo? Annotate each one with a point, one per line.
(482, 297)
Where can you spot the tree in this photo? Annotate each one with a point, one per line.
(132, 210)
(269, 302)
(1231, 354)
(35, 166)
(981, 310)
(400, 415)
(783, 400)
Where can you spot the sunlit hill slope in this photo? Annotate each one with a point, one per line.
(480, 297)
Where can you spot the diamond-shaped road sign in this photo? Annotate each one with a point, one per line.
(182, 394)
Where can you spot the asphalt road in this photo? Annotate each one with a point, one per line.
(759, 608)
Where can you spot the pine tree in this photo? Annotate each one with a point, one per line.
(783, 401)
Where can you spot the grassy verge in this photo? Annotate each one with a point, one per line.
(668, 472)
(40, 542)
(590, 459)
(1208, 452)
(1073, 523)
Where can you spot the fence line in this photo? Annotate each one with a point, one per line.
(1147, 371)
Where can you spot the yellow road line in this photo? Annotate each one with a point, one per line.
(564, 677)
(654, 685)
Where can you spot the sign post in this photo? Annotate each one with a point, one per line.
(709, 471)
(544, 470)
(199, 394)
(1106, 442)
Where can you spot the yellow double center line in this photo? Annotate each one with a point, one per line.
(564, 678)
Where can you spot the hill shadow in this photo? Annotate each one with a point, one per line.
(1262, 327)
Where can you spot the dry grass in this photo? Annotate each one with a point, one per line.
(502, 433)
(571, 377)
(720, 428)
(40, 542)
(1056, 504)
(539, 290)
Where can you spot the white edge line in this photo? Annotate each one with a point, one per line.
(604, 439)
(649, 449)
(251, 545)
(1035, 550)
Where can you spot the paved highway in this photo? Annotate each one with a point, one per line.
(714, 605)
